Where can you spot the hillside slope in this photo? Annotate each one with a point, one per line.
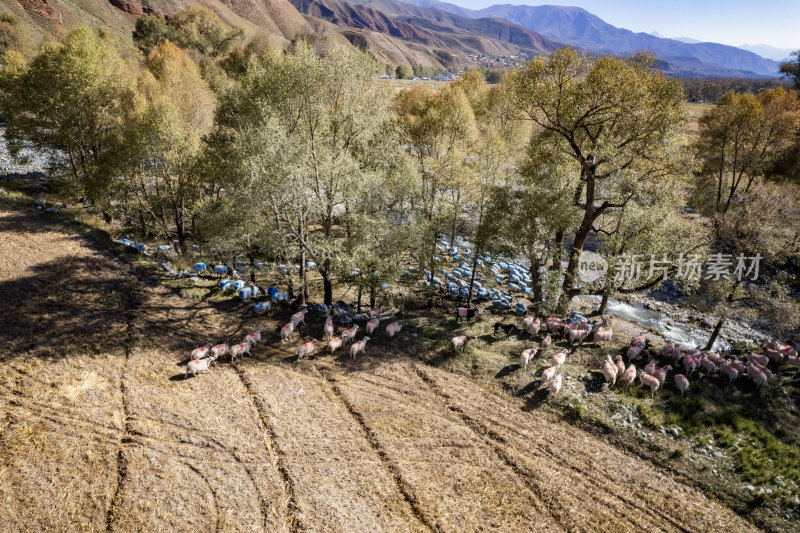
(101, 432)
(578, 27)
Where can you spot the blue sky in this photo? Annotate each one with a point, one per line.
(771, 22)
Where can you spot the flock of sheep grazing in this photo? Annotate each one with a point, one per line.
(755, 367)
(201, 358)
(576, 329)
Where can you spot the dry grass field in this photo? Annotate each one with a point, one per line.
(99, 430)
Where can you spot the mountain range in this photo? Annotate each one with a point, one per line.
(416, 32)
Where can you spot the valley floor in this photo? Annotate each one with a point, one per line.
(99, 430)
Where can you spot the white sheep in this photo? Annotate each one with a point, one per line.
(650, 381)
(198, 365)
(460, 342)
(358, 347)
(199, 353)
(287, 332)
(306, 348)
(298, 317)
(682, 383)
(555, 385)
(394, 328)
(526, 357)
(254, 337)
(220, 349)
(334, 344)
(237, 350)
(372, 325)
(559, 358)
(349, 334)
(328, 328)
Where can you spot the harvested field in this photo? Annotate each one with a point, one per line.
(99, 430)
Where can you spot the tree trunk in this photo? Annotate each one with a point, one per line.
(536, 284)
(327, 287)
(252, 258)
(715, 333)
(180, 230)
(472, 278)
(372, 297)
(604, 302)
(360, 291)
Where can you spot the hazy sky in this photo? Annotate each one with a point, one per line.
(772, 22)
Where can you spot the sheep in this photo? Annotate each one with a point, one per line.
(254, 337)
(764, 369)
(240, 349)
(620, 365)
(682, 383)
(334, 344)
(762, 360)
(349, 334)
(199, 353)
(198, 365)
(638, 341)
(649, 381)
(667, 350)
(548, 373)
(555, 385)
(577, 335)
(531, 325)
(676, 352)
(375, 311)
(773, 355)
(649, 368)
(306, 348)
(757, 375)
(553, 324)
(328, 328)
(629, 375)
(460, 342)
(603, 334)
(298, 317)
(610, 372)
(287, 332)
(463, 312)
(372, 325)
(507, 328)
(526, 357)
(358, 347)
(708, 365)
(559, 358)
(546, 342)
(220, 349)
(394, 328)
(689, 364)
(728, 371)
(793, 361)
(661, 374)
(638, 349)
(788, 350)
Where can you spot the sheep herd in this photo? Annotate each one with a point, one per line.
(576, 329)
(201, 358)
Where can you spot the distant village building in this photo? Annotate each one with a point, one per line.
(445, 76)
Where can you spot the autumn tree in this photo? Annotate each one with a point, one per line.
(791, 69)
(195, 27)
(741, 138)
(162, 140)
(71, 96)
(311, 129)
(615, 117)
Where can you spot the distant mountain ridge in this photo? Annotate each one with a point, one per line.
(577, 27)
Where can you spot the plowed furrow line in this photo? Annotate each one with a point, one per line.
(596, 480)
(497, 444)
(293, 511)
(125, 436)
(217, 514)
(402, 485)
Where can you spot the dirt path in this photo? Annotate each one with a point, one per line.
(99, 430)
